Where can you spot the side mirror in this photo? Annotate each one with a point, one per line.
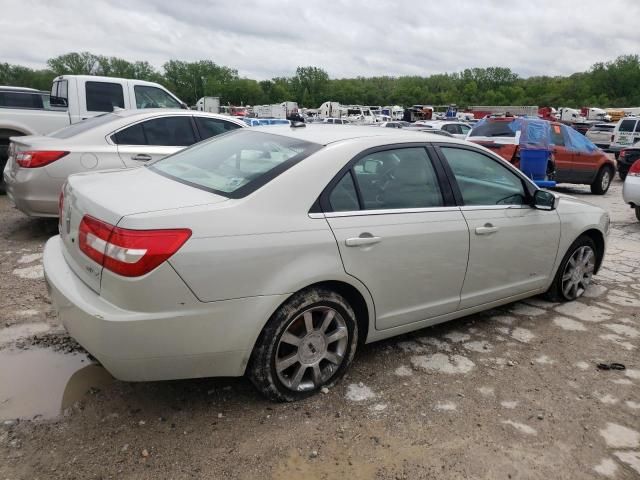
(545, 200)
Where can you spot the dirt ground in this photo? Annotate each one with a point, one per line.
(512, 393)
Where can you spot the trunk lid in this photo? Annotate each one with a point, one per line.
(111, 195)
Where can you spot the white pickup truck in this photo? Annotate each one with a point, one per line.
(74, 98)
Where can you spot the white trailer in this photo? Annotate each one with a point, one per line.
(276, 110)
(208, 104)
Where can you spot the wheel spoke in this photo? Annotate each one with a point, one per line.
(326, 321)
(291, 339)
(567, 289)
(317, 374)
(587, 257)
(336, 335)
(566, 276)
(297, 378)
(308, 321)
(333, 358)
(286, 362)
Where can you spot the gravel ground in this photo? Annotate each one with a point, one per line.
(511, 393)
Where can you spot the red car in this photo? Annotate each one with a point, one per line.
(574, 158)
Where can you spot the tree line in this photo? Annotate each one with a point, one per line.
(611, 84)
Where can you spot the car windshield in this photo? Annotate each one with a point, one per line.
(234, 164)
(84, 125)
(500, 128)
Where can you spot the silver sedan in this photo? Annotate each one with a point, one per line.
(39, 165)
(276, 253)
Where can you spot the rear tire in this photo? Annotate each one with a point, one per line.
(622, 174)
(638, 213)
(308, 344)
(575, 272)
(603, 181)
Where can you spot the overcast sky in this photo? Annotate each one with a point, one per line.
(263, 39)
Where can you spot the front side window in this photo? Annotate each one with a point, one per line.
(154, 97)
(627, 126)
(103, 96)
(483, 180)
(399, 178)
(210, 127)
(235, 164)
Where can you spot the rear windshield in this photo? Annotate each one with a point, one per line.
(83, 126)
(236, 163)
(495, 129)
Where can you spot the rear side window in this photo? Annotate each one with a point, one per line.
(59, 93)
(498, 128)
(392, 179)
(165, 131)
(134, 135)
(235, 164)
(210, 127)
(627, 126)
(169, 131)
(103, 96)
(343, 197)
(21, 100)
(154, 97)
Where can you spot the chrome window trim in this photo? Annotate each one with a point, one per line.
(390, 211)
(493, 207)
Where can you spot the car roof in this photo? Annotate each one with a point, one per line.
(326, 134)
(152, 112)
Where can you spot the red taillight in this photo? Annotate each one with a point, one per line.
(129, 253)
(36, 158)
(634, 171)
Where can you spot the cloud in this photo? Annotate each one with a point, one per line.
(263, 39)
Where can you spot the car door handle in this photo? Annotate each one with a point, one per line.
(362, 240)
(141, 157)
(488, 229)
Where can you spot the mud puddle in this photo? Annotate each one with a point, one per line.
(40, 383)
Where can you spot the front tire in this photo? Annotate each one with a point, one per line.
(575, 272)
(307, 344)
(603, 181)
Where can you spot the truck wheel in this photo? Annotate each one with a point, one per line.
(603, 181)
(307, 344)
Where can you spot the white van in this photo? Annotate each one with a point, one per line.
(626, 133)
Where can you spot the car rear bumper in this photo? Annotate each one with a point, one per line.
(631, 191)
(33, 192)
(203, 340)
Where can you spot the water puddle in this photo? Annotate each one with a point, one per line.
(41, 383)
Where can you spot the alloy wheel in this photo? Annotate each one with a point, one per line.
(578, 272)
(606, 180)
(311, 349)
